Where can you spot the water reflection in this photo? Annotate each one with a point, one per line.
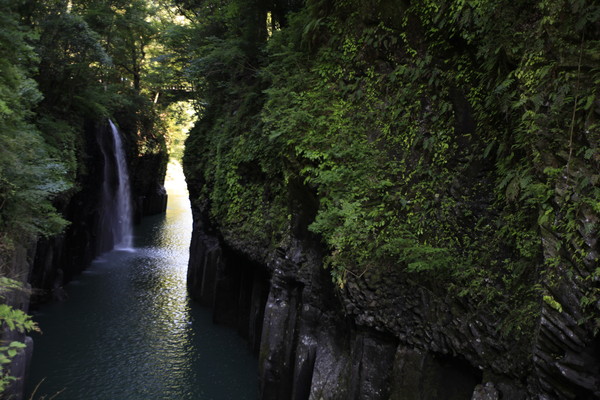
(129, 330)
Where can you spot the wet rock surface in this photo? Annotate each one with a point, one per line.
(381, 336)
(18, 265)
(318, 342)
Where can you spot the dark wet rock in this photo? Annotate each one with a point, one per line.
(382, 336)
(148, 174)
(425, 375)
(318, 342)
(18, 266)
(19, 367)
(485, 391)
(372, 361)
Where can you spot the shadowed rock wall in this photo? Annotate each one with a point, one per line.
(313, 341)
(18, 267)
(381, 336)
(447, 155)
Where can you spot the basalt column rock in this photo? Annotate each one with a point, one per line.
(276, 360)
(60, 258)
(150, 194)
(17, 266)
(372, 360)
(422, 375)
(566, 352)
(233, 287)
(317, 341)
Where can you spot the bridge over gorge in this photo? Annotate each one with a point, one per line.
(173, 93)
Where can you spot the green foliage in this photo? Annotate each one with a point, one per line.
(63, 65)
(553, 303)
(344, 142)
(227, 150)
(14, 320)
(181, 117)
(450, 140)
(31, 175)
(7, 353)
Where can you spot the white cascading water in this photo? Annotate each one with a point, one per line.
(117, 210)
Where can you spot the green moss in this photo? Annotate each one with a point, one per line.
(442, 141)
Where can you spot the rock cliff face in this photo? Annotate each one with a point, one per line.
(314, 341)
(439, 161)
(381, 337)
(18, 266)
(566, 353)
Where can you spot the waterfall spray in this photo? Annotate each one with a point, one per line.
(124, 239)
(116, 195)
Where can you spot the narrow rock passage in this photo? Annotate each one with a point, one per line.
(129, 331)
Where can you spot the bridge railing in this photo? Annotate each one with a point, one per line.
(175, 88)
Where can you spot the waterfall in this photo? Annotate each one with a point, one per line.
(116, 223)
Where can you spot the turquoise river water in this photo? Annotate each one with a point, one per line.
(129, 331)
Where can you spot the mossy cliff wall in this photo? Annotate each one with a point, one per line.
(417, 182)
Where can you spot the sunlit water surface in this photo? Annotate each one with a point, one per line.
(129, 331)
